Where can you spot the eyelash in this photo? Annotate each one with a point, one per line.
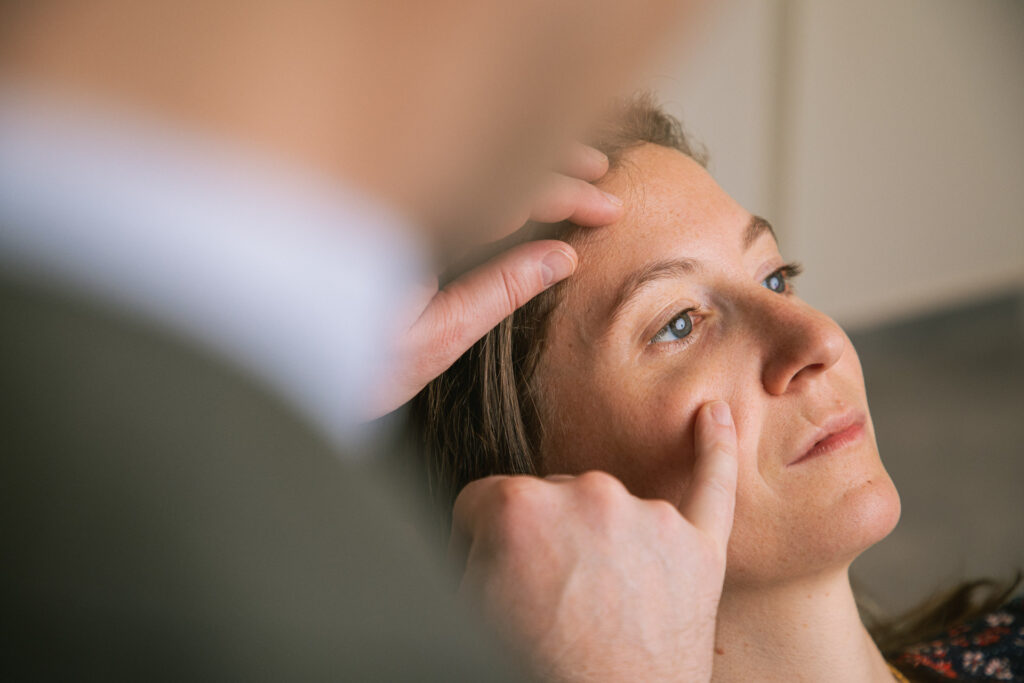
(787, 273)
(694, 313)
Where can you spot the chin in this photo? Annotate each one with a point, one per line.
(864, 515)
(809, 539)
(855, 504)
(867, 514)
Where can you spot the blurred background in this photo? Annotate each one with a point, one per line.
(885, 142)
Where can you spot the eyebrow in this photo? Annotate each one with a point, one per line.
(639, 280)
(755, 228)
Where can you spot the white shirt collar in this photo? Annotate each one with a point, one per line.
(292, 277)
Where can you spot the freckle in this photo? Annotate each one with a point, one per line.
(808, 596)
(719, 651)
(804, 625)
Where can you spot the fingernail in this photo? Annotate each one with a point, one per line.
(556, 266)
(720, 411)
(612, 198)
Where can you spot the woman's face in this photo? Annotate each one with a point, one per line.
(683, 301)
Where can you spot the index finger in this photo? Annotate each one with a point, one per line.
(584, 162)
(711, 500)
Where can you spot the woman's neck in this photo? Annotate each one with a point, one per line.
(808, 630)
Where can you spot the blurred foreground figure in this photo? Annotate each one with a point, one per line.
(212, 219)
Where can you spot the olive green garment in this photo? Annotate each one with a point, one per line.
(165, 518)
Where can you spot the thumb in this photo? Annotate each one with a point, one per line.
(711, 499)
(470, 306)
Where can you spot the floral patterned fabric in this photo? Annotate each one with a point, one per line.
(988, 649)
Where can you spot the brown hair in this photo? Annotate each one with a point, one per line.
(481, 416)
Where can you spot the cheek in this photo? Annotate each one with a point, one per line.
(638, 427)
(654, 457)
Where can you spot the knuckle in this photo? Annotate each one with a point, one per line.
(723, 447)
(516, 506)
(600, 487)
(448, 336)
(718, 487)
(519, 288)
(501, 514)
(516, 492)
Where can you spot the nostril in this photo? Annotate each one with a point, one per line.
(812, 369)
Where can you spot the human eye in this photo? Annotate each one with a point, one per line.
(677, 328)
(779, 280)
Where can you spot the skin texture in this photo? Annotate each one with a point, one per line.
(612, 400)
(618, 403)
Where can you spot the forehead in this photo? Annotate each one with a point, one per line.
(674, 208)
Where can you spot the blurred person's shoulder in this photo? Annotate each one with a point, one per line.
(174, 503)
(166, 517)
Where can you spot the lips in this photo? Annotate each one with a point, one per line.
(837, 433)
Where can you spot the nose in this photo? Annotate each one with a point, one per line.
(804, 343)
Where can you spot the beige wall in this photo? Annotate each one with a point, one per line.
(884, 139)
